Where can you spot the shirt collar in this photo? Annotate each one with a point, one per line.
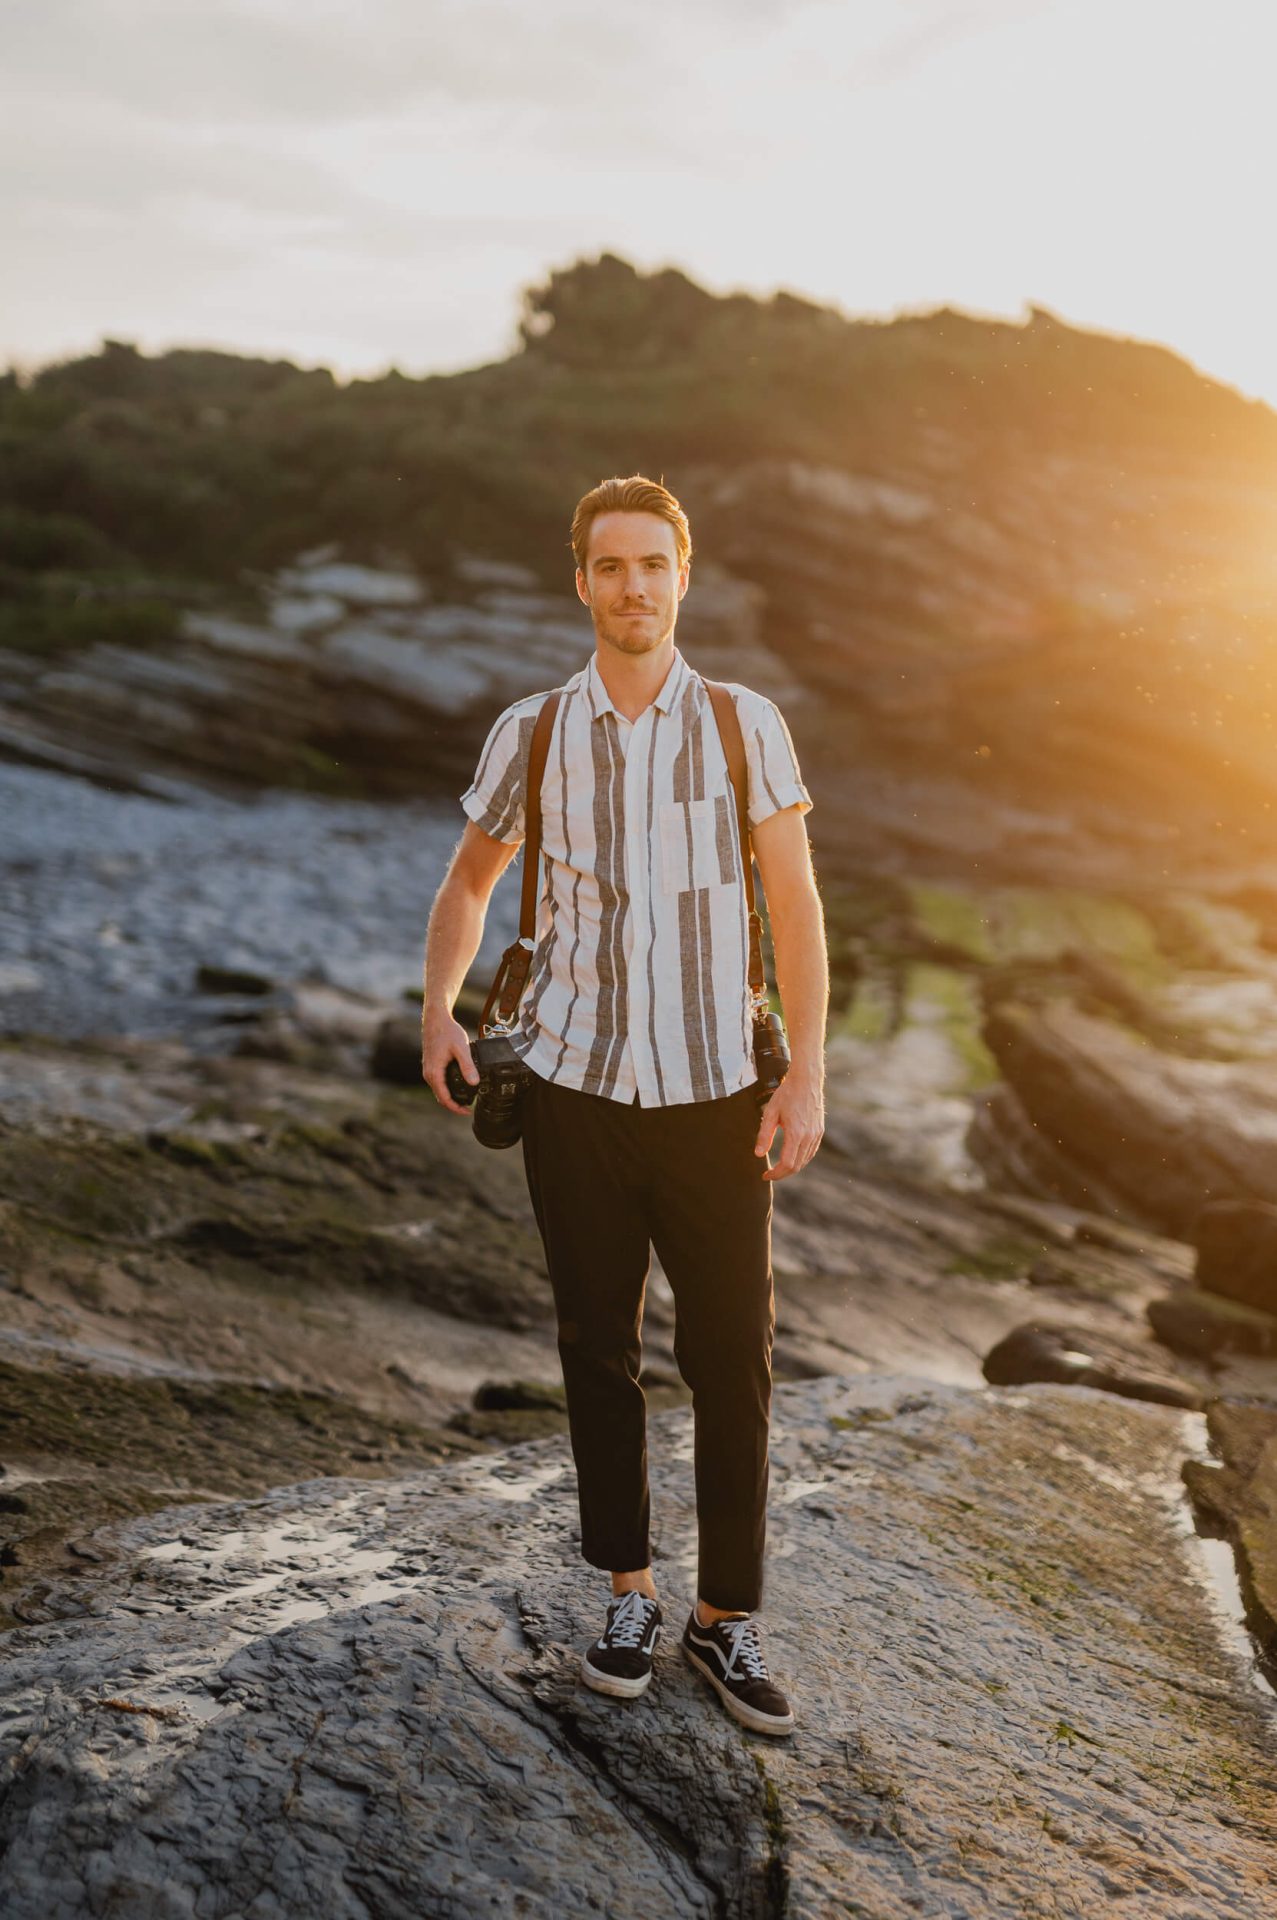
(671, 689)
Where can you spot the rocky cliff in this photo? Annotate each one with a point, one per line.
(1014, 583)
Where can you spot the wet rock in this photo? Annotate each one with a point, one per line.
(1237, 1497)
(1236, 1243)
(1194, 1321)
(366, 1695)
(1077, 1356)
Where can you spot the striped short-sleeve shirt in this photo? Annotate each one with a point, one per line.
(639, 978)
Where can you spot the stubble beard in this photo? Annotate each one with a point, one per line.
(620, 634)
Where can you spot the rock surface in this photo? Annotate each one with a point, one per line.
(1237, 1492)
(311, 1269)
(1074, 1356)
(1159, 1135)
(1236, 1242)
(1193, 1321)
(356, 1699)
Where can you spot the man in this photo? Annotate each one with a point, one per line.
(641, 1127)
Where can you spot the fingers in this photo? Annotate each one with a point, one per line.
(797, 1151)
(434, 1073)
(433, 1077)
(797, 1143)
(768, 1125)
(448, 1103)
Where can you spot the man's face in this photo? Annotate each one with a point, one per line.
(632, 582)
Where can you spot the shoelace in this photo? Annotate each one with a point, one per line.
(747, 1648)
(629, 1623)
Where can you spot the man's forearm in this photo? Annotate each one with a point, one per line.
(802, 976)
(453, 937)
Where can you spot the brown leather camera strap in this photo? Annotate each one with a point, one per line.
(728, 723)
(512, 974)
(537, 754)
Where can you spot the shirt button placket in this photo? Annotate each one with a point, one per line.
(638, 855)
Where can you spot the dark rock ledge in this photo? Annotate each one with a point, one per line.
(1017, 1695)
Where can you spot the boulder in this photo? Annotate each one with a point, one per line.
(1194, 1321)
(1078, 1356)
(396, 1052)
(508, 1395)
(1236, 1242)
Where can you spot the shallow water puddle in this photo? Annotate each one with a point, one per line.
(1214, 1557)
(1210, 1559)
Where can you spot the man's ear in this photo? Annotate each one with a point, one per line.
(582, 591)
(684, 578)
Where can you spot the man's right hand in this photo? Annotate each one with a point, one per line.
(444, 1039)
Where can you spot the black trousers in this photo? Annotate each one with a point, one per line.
(608, 1183)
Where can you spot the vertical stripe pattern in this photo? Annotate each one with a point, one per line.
(639, 983)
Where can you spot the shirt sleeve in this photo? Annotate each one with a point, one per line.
(774, 777)
(494, 798)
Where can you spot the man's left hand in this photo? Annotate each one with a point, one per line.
(797, 1107)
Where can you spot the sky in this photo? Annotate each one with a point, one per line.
(372, 186)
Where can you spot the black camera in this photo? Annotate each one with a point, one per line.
(498, 1098)
(771, 1055)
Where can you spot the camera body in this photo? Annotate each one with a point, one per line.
(498, 1098)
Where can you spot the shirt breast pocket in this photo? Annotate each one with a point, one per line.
(697, 849)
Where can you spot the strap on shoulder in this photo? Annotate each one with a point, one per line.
(728, 722)
(537, 754)
(512, 974)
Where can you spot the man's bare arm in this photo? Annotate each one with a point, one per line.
(802, 976)
(453, 937)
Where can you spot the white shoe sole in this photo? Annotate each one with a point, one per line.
(748, 1716)
(614, 1684)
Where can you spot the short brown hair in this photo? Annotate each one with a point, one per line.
(637, 494)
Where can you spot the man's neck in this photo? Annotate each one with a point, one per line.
(634, 680)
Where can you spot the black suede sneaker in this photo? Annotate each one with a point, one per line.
(620, 1661)
(730, 1656)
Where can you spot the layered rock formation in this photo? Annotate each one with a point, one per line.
(1014, 584)
(1160, 1135)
